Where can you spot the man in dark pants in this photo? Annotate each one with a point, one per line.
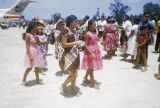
(150, 28)
(157, 42)
(158, 37)
(145, 22)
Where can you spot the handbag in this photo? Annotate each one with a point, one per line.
(60, 51)
(70, 57)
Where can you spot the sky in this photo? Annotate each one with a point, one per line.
(80, 8)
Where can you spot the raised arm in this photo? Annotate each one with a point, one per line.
(67, 44)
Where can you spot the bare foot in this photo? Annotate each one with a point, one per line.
(24, 83)
(63, 89)
(136, 67)
(93, 83)
(85, 80)
(74, 90)
(109, 58)
(96, 86)
(144, 70)
(40, 82)
(131, 61)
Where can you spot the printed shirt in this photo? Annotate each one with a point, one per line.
(147, 24)
(141, 39)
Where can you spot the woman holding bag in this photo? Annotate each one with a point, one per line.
(71, 62)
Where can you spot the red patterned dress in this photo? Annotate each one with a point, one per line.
(110, 37)
(88, 62)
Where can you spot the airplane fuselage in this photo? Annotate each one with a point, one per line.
(8, 17)
(14, 12)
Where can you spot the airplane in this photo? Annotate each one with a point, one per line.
(14, 12)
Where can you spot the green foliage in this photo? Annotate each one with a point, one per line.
(118, 9)
(137, 17)
(153, 9)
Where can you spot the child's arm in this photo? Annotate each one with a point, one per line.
(27, 41)
(65, 42)
(86, 42)
(145, 41)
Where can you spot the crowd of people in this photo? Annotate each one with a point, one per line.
(70, 36)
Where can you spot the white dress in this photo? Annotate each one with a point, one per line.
(132, 41)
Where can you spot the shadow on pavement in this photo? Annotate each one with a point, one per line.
(60, 73)
(69, 92)
(32, 83)
(87, 84)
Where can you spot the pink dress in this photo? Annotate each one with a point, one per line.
(88, 62)
(35, 52)
(110, 39)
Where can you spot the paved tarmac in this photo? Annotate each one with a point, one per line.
(120, 85)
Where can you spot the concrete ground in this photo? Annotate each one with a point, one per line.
(121, 86)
